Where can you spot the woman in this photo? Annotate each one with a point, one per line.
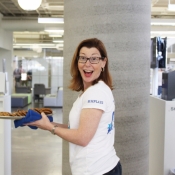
(91, 119)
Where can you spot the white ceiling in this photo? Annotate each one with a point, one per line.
(49, 8)
(29, 35)
(163, 20)
(29, 31)
(159, 9)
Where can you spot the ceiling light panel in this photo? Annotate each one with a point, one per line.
(57, 41)
(51, 20)
(55, 35)
(163, 22)
(54, 30)
(171, 7)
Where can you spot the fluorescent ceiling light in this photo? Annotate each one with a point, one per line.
(58, 41)
(163, 24)
(162, 32)
(168, 22)
(55, 35)
(51, 20)
(44, 47)
(171, 7)
(29, 45)
(61, 44)
(54, 30)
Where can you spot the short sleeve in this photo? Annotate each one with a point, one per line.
(94, 98)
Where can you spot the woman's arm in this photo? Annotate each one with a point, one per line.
(60, 125)
(89, 120)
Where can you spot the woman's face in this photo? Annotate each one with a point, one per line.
(90, 72)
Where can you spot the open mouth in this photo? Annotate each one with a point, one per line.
(88, 73)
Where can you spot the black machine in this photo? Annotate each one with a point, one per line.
(168, 85)
(158, 52)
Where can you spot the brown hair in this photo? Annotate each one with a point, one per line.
(76, 83)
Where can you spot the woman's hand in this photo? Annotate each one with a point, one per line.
(43, 123)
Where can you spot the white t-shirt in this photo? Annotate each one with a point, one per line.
(99, 156)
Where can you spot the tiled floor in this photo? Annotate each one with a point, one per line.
(36, 152)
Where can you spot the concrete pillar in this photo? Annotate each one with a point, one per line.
(124, 27)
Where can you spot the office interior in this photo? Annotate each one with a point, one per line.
(32, 53)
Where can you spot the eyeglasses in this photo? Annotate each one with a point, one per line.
(93, 60)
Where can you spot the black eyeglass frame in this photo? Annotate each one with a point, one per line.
(100, 58)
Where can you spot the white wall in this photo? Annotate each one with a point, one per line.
(48, 70)
(6, 51)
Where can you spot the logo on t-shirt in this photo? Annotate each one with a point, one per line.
(95, 101)
(111, 125)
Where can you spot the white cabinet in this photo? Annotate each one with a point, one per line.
(5, 137)
(162, 136)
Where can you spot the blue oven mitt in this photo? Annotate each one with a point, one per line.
(31, 116)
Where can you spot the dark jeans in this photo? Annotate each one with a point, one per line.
(117, 170)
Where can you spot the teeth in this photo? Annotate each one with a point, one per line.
(87, 71)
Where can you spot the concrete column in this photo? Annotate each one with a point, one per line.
(124, 27)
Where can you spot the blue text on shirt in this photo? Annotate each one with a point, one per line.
(95, 101)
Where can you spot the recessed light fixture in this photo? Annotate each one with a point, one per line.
(29, 4)
(51, 20)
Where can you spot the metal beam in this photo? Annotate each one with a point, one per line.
(45, 10)
(153, 2)
(6, 8)
(17, 6)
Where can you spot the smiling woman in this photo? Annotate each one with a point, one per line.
(91, 129)
(93, 112)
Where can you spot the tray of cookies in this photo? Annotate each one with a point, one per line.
(19, 114)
